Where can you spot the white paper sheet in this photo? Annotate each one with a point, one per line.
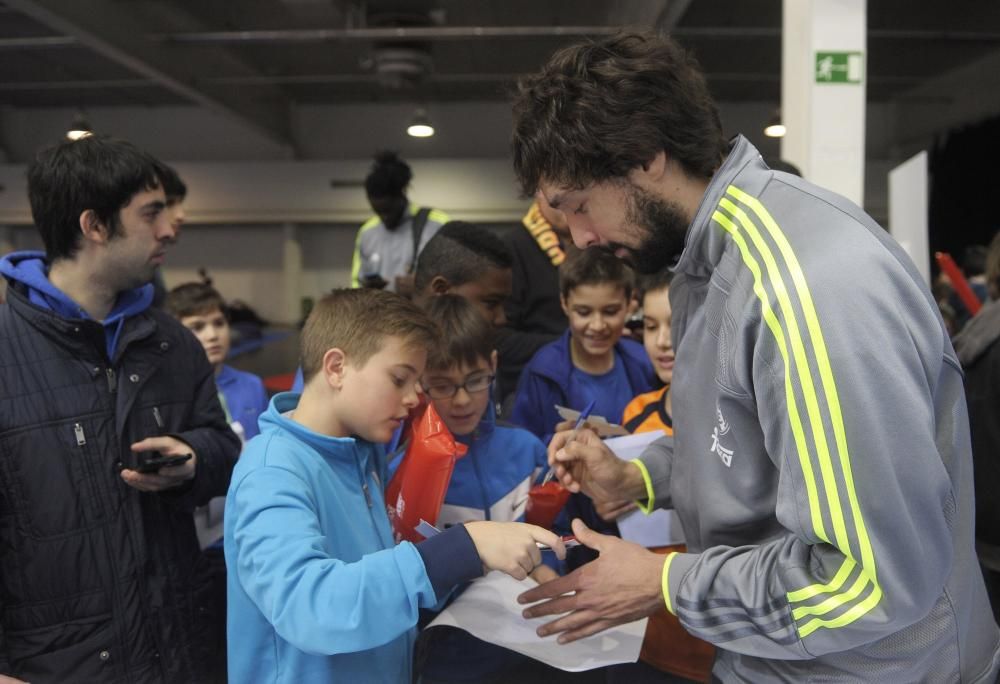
(659, 528)
(488, 609)
(601, 425)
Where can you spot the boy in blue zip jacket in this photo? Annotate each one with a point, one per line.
(490, 482)
(318, 591)
(590, 362)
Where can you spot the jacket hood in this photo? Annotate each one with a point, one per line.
(275, 418)
(979, 334)
(31, 270)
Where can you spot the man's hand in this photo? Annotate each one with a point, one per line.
(609, 511)
(512, 547)
(4, 679)
(167, 477)
(583, 462)
(621, 586)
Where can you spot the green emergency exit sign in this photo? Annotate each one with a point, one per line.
(839, 67)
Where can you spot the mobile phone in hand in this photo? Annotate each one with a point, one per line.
(152, 461)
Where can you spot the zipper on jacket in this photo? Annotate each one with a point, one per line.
(112, 380)
(368, 496)
(157, 417)
(81, 439)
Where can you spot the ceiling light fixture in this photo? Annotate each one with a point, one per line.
(420, 126)
(79, 128)
(774, 128)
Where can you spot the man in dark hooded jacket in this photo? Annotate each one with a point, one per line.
(97, 559)
(978, 348)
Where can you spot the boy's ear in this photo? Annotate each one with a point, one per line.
(564, 303)
(440, 285)
(334, 367)
(92, 228)
(493, 361)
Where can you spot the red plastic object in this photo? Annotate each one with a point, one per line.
(417, 490)
(958, 281)
(279, 383)
(544, 503)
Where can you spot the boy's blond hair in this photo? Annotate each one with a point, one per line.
(357, 322)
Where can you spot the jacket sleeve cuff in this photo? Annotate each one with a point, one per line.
(674, 568)
(647, 505)
(450, 558)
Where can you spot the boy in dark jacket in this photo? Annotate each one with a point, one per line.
(97, 551)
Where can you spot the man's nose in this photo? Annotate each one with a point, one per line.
(168, 231)
(582, 237)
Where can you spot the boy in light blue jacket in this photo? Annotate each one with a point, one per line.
(318, 591)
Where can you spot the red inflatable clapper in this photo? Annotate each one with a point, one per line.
(417, 489)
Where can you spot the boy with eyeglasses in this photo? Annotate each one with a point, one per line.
(490, 482)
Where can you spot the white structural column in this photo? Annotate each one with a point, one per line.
(823, 71)
(291, 273)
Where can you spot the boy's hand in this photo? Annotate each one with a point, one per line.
(167, 477)
(512, 547)
(541, 574)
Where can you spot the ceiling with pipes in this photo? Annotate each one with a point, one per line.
(258, 58)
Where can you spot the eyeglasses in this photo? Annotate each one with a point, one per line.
(474, 385)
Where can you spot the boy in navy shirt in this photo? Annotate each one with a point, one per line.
(590, 361)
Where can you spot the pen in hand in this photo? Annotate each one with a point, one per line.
(584, 415)
(568, 540)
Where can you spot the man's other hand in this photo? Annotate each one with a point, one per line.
(621, 586)
(166, 477)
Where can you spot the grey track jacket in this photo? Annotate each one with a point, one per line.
(821, 465)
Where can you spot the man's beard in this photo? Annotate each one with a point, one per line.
(662, 228)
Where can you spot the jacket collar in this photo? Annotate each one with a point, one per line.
(555, 361)
(705, 241)
(330, 448)
(30, 271)
(81, 336)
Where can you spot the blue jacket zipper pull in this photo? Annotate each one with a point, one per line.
(112, 380)
(368, 496)
(81, 439)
